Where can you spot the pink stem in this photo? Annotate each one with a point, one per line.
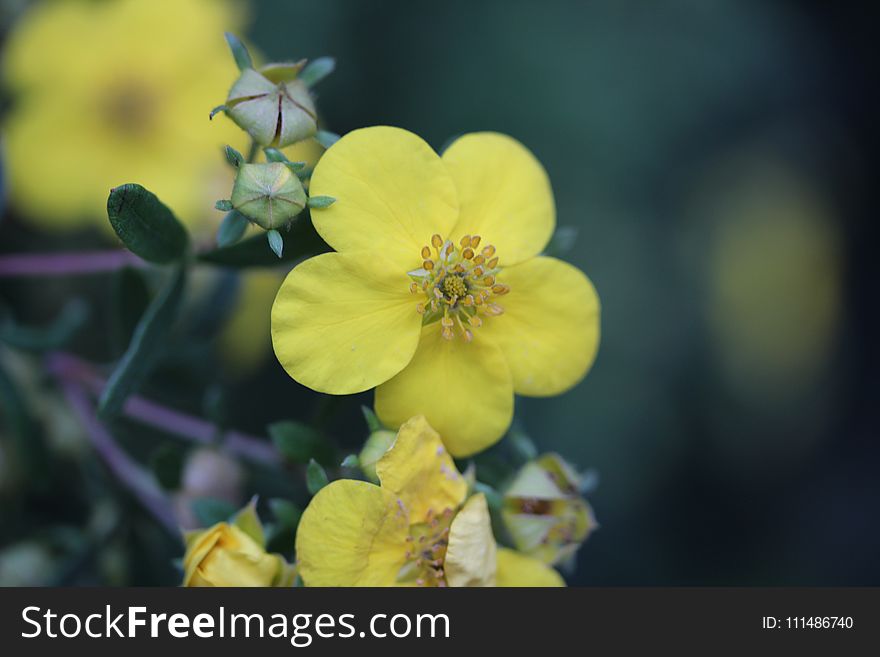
(53, 264)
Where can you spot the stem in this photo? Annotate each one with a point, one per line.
(124, 468)
(70, 368)
(53, 264)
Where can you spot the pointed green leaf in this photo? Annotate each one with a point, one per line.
(282, 532)
(373, 423)
(276, 242)
(145, 225)
(316, 70)
(217, 110)
(298, 442)
(316, 478)
(149, 336)
(274, 155)
(248, 521)
(234, 158)
(326, 138)
(239, 52)
(232, 228)
(209, 511)
(321, 201)
(351, 461)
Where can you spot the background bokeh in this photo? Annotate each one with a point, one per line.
(714, 162)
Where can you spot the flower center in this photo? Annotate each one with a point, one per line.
(426, 551)
(459, 285)
(129, 108)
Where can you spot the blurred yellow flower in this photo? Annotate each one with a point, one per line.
(417, 528)
(114, 92)
(225, 555)
(437, 294)
(519, 570)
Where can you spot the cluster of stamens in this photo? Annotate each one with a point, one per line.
(459, 284)
(426, 550)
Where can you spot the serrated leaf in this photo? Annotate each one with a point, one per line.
(148, 338)
(276, 242)
(299, 443)
(373, 423)
(209, 511)
(316, 70)
(326, 138)
(232, 228)
(321, 201)
(301, 241)
(145, 225)
(166, 462)
(316, 478)
(239, 52)
(249, 522)
(44, 338)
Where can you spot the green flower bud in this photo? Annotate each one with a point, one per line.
(375, 447)
(269, 194)
(544, 512)
(272, 105)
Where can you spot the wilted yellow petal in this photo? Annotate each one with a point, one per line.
(392, 193)
(515, 569)
(340, 327)
(470, 557)
(549, 331)
(504, 195)
(463, 389)
(352, 534)
(419, 470)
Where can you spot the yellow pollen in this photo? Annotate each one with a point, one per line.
(465, 241)
(436, 241)
(428, 264)
(492, 263)
(454, 286)
(479, 260)
(468, 253)
(426, 252)
(488, 251)
(475, 241)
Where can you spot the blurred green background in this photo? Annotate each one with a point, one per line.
(712, 159)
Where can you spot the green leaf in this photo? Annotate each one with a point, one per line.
(166, 462)
(130, 296)
(149, 336)
(224, 205)
(276, 242)
(234, 158)
(232, 228)
(316, 478)
(321, 201)
(44, 338)
(282, 532)
(301, 242)
(316, 70)
(350, 461)
(373, 423)
(217, 110)
(299, 443)
(145, 225)
(326, 138)
(239, 52)
(274, 155)
(209, 510)
(248, 521)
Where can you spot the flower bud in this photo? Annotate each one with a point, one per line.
(225, 555)
(544, 512)
(374, 448)
(272, 105)
(269, 194)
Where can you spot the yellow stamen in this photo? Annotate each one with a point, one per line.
(428, 264)
(475, 241)
(437, 241)
(426, 252)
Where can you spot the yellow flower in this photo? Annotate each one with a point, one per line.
(516, 569)
(544, 512)
(417, 528)
(436, 294)
(227, 555)
(114, 92)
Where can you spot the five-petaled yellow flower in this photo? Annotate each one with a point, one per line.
(437, 293)
(418, 528)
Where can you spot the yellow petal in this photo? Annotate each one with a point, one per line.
(419, 471)
(352, 534)
(470, 557)
(463, 389)
(504, 195)
(340, 327)
(549, 330)
(392, 194)
(515, 569)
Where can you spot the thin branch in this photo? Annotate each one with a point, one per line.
(54, 264)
